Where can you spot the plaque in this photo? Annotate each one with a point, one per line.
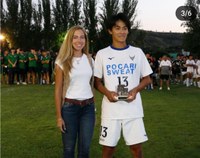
(122, 92)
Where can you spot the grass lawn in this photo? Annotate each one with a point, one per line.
(28, 124)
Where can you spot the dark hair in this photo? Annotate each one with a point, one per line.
(114, 18)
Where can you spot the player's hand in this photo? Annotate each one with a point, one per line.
(61, 125)
(131, 95)
(112, 96)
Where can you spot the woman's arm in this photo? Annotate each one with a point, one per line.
(58, 96)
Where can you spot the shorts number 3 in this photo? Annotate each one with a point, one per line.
(103, 131)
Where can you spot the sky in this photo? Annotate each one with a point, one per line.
(159, 15)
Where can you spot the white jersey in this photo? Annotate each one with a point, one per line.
(165, 66)
(198, 68)
(121, 66)
(80, 75)
(190, 68)
(165, 63)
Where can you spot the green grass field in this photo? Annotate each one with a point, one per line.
(28, 124)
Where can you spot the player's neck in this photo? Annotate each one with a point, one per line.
(119, 44)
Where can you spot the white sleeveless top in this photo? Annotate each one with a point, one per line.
(80, 75)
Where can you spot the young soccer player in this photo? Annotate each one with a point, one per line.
(125, 66)
(190, 70)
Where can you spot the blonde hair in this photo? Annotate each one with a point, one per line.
(66, 52)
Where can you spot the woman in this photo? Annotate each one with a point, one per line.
(73, 93)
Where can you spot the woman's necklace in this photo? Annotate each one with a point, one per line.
(77, 59)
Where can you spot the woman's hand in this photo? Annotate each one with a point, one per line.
(61, 125)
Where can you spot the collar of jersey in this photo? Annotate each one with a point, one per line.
(119, 48)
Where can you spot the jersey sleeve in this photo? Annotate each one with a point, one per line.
(170, 63)
(160, 65)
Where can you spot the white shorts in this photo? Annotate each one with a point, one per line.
(133, 131)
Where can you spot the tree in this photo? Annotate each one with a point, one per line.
(75, 17)
(3, 20)
(89, 8)
(109, 8)
(48, 34)
(36, 26)
(12, 22)
(129, 8)
(25, 18)
(61, 13)
(3, 15)
(61, 16)
(42, 25)
(191, 37)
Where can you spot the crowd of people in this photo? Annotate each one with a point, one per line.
(181, 70)
(37, 67)
(27, 67)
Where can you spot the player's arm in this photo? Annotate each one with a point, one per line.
(16, 62)
(159, 69)
(35, 57)
(30, 58)
(47, 61)
(189, 65)
(143, 83)
(101, 88)
(42, 61)
(10, 62)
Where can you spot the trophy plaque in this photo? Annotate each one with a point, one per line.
(122, 92)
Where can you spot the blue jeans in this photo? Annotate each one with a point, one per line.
(79, 122)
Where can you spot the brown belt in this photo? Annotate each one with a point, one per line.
(80, 102)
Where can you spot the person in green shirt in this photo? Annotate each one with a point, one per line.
(12, 61)
(5, 67)
(45, 67)
(22, 59)
(17, 67)
(32, 65)
(39, 68)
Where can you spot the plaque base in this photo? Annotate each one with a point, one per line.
(122, 97)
